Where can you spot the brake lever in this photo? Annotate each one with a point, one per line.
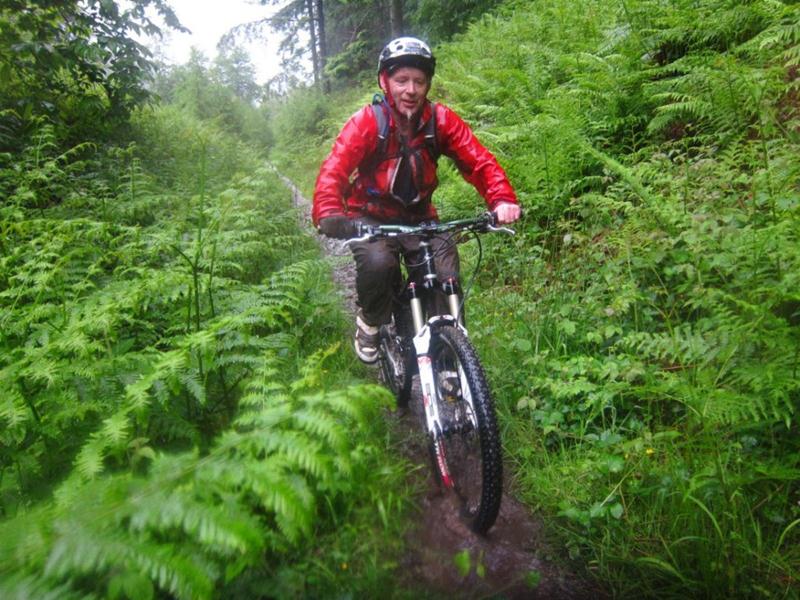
(494, 228)
(501, 229)
(365, 233)
(367, 237)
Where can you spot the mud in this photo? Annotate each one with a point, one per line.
(444, 557)
(512, 561)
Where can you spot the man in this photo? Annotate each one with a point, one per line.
(382, 169)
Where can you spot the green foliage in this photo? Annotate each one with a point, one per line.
(305, 124)
(41, 174)
(74, 64)
(225, 93)
(440, 21)
(193, 522)
(111, 324)
(178, 418)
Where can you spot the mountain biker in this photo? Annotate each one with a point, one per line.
(389, 176)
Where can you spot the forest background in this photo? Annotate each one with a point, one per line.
(176, 414)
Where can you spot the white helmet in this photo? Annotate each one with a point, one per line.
(407, 52)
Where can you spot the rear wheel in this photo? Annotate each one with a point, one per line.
(467, 452)
(395, 369)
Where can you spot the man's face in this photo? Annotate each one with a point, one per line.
(408, 88)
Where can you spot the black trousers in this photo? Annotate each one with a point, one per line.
(379, 275)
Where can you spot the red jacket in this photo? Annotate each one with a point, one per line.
(351, 183)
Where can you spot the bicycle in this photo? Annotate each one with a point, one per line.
(463, 437)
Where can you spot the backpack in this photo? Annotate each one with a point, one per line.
(381, 111)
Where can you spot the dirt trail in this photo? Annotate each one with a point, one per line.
(511, 561)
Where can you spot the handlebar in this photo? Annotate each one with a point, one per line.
(484, 223)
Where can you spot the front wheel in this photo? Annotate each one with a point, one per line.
(466, 452)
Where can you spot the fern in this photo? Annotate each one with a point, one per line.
(100, 308)
(781, 38)
(21, 587)
(193, 514)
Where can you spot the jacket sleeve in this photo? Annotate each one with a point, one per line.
(357, 138)
(476, 164)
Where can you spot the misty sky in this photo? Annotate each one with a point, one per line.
(209, 20)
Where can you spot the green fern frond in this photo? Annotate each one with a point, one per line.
(89, 461)
(276, 489)
(41, 369)
(191, 382)
(81, 549)
(322, 425)
(263, 412)
(355, 401)
(170, 363)
(13, 410)
(137, 393)
(791, 57)
(116, 429)
(311, 369)
(22, 587)
(298, 517)
(293, 448)
(280, 341)
(222, 530)
(247, 361)
(687, 109)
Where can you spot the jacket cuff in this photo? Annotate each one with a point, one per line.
(330, 213)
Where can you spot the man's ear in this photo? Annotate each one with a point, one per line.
(384, 82)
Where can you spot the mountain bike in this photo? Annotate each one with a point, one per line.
(460, 420)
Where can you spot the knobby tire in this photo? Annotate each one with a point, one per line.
(395, 367)
(473, 457)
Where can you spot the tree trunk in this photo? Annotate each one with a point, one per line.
(323, 45)
(396, 17)
(312, 30)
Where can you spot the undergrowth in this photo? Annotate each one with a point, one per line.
(177, 417)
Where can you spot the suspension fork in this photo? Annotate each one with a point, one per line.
(433, 423)
(422, 346)
(423, 332)
(450, 288)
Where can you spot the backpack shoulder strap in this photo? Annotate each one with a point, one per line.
(431, 139)
(382, 119)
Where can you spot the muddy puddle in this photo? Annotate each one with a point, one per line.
(445, 558)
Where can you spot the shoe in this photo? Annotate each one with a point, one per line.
(366, 341)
